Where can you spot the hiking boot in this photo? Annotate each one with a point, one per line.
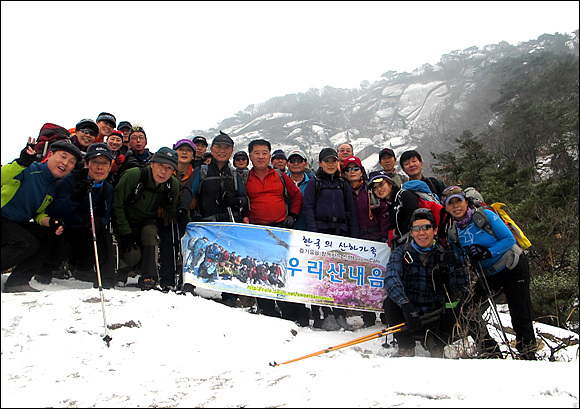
(435, 348)
(84, 275)
(330, 324)
(148, 284)
(61, 274)
(25, 288)
(404, 352)
(188, 288)
(317, 323)
(107, 284)
(121, 284)
(167, 288)
(341, 320)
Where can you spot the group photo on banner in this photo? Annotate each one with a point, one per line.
(285, 264)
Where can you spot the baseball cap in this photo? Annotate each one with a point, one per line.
(387, 151)
(185, 141)
(352, 159)
(223, 138)
(451, 192)
(297, 152)
(200, 139)
(99, 149)
(379, 176)
(107, 117)
(241, 154)
(327, 153)
(124, 124)
(87, 124)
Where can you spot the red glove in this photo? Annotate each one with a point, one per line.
(119, 159)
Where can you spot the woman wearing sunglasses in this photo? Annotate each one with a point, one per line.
(421, 278)
(505, 266)
(85, 133)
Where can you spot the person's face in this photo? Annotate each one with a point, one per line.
(240, 162)
(260, 157)
(413, 168)
(115, 142)
(60, 163)
(344, 151)
(85, 138)
(388, 163)
(222, 152)
(105, 128)
(353, 173)
(279, 163)
(382, 189)
(296, 164)
(329, 165)
(457, 208)
(125, 132)
(161, 171)
(99, 168)
(423, 238)
(184, 154)
(200, 149)
(137, 142)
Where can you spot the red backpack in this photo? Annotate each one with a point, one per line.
(49, 133)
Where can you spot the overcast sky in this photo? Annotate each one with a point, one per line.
(179, 66)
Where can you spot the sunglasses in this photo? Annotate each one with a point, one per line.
(423, 227)
(352, 169)
(295, 159)
(88, 131)
(452, 190)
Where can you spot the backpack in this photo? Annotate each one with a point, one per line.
(476, 200)
(425, 199)
(135, 195)
(49, 133)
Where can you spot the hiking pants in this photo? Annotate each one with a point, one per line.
(19, 242)
(146, 253)
(515, 284)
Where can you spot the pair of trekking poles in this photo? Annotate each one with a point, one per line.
(425, 319)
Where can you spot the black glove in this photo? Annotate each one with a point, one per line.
(289, 220)
(128, 242)
(479, 252)
(26, 159)
(412, 317)
(82, 188)
(54, 223)
(451, 259)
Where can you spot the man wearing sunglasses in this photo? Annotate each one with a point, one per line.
(86, 130)
(423, 278)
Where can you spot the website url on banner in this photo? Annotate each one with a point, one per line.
(291, 294)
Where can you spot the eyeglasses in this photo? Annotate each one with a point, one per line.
(423, 227)
(296, 159)
(452, 190)
(137, 137)
(352, 169)
(88, 131)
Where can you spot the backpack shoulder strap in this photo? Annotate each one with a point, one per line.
(482, 221)
(279, 172)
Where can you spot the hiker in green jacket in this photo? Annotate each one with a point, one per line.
(138, 196)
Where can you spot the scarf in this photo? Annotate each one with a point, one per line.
(462, 224)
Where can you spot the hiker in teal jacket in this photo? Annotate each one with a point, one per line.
(135, 207)
(28, 187)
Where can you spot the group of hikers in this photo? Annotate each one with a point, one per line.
(95, 191)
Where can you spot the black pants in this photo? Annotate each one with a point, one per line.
(515, 284)
(169, 251)
(295, 312)
(19, 242)
(36, 249)
(441, 329)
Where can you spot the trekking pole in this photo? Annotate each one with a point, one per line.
(425, 319)
(374, 335)
(177, 257)
(495, 313)
(106, 338)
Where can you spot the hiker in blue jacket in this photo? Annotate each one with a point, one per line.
(71, 204)
(422, 278)
(28, 187)
(504, 264)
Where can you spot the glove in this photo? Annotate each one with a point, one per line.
(451, 259)
(128, 242)
(82, 188)
(412, 317)
(26, 159)
(289, 221)
(119, 159)
(54, 223)
(479, 252)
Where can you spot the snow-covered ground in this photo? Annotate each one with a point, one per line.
(172, 350)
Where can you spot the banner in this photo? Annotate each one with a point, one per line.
(285, 264)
